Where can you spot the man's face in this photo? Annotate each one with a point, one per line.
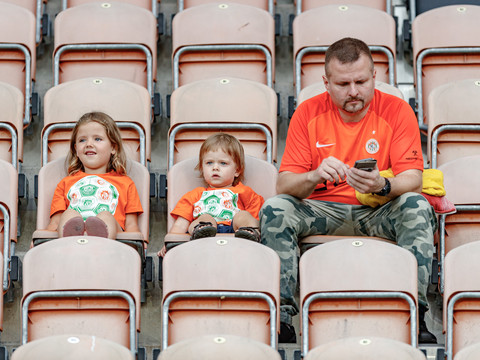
(351, 86)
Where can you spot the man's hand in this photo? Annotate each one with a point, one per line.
(331, 169)
(365, 182)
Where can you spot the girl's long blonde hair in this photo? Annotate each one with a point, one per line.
(117, 162)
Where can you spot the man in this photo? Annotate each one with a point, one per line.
(317, 180)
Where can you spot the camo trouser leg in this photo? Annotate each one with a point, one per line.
(409, 220)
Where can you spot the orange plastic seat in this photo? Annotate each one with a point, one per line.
(50, 175)
(365, 348)
(260, 175)
(220, 285)
(342, 297)
(244, 108)
(219, 347)
(11, 124)
(18, 51)
(461, 300)
(82, 285)
(453, 125)
(316, 29)
(8, 218)
(461, 186)
(223, 40)
(304, 5)
(127, 103)
(101, 39)
(441, 55)
(72, 347)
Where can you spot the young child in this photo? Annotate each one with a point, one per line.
(97, 197)
(225, 205)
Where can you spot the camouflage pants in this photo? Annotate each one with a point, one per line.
(409, 220)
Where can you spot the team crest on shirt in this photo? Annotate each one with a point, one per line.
(372, 146)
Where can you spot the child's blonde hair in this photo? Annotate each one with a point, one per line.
(228, 144)
(117, 162)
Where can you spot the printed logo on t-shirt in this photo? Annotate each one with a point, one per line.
(221, 204)
(372, 146)
(92, 195)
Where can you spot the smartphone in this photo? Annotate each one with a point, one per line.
(366, 164)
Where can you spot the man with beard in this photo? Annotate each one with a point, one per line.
(318, 183)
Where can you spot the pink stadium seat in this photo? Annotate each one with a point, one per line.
(453, 123)
(244, 108)
(219, 347)
(82, 285)
(18, 51)
(72, 347)
(37, 8)
(471, 352)
(100, 39)
(267, 5)
(342, 297)
(442, 55)
(127, 103)
(461, 300)
(223, 40)
(304, 5)
(146, 4)
(212, 286)
(316, 29)
(11, 124)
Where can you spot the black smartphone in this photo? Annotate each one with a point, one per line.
(366, 164)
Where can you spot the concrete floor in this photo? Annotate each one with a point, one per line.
(150, 333)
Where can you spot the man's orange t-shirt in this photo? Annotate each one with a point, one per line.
(115, 191)
(388, 133)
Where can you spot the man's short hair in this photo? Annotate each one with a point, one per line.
(346, 50)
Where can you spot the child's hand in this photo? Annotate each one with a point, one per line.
(163, 251)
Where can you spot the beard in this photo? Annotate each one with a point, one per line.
(350, 107)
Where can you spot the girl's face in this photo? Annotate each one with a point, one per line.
(93, 147)
(219, 169)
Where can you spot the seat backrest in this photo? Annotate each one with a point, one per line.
(182, 177)
(218, 348)
(230, 39)
(316, 29)
(51, 174)
(126, 102)
(80, 264)
(440, 55)
(202, 107)
(345, 267)
(227, 265)
(318, 88)
(146, 4)
(463, 325)
(129, 29)
(73, 347)
(417, 7)
(304, 5)
(471, 352)
(11, 128)
(453, 104)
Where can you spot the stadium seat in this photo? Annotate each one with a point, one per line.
(100, 39)
(11, 124)
(212, 286)
(146, 4)
(82, 285)
(223, 40)
(72, 347)
(453, 123)
(219, 347)
(316, 29)
(342, 297)
(441, 55)
(365, 348)
(18, 51)
(304, 5)
(471, 352)
(244, 108)
(461, 300)
(260, 175)
(8, 217)
(48, 178)
(460, 182)
(127, 103)
(267, 5)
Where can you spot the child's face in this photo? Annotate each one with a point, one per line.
(219, 169)
(93, 147)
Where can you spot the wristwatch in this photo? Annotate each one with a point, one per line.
(386, 189)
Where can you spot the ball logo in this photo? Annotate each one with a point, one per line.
(372, 146)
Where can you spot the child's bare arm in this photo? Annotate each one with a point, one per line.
(131, 223)
(180, 226)
(54, 220)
